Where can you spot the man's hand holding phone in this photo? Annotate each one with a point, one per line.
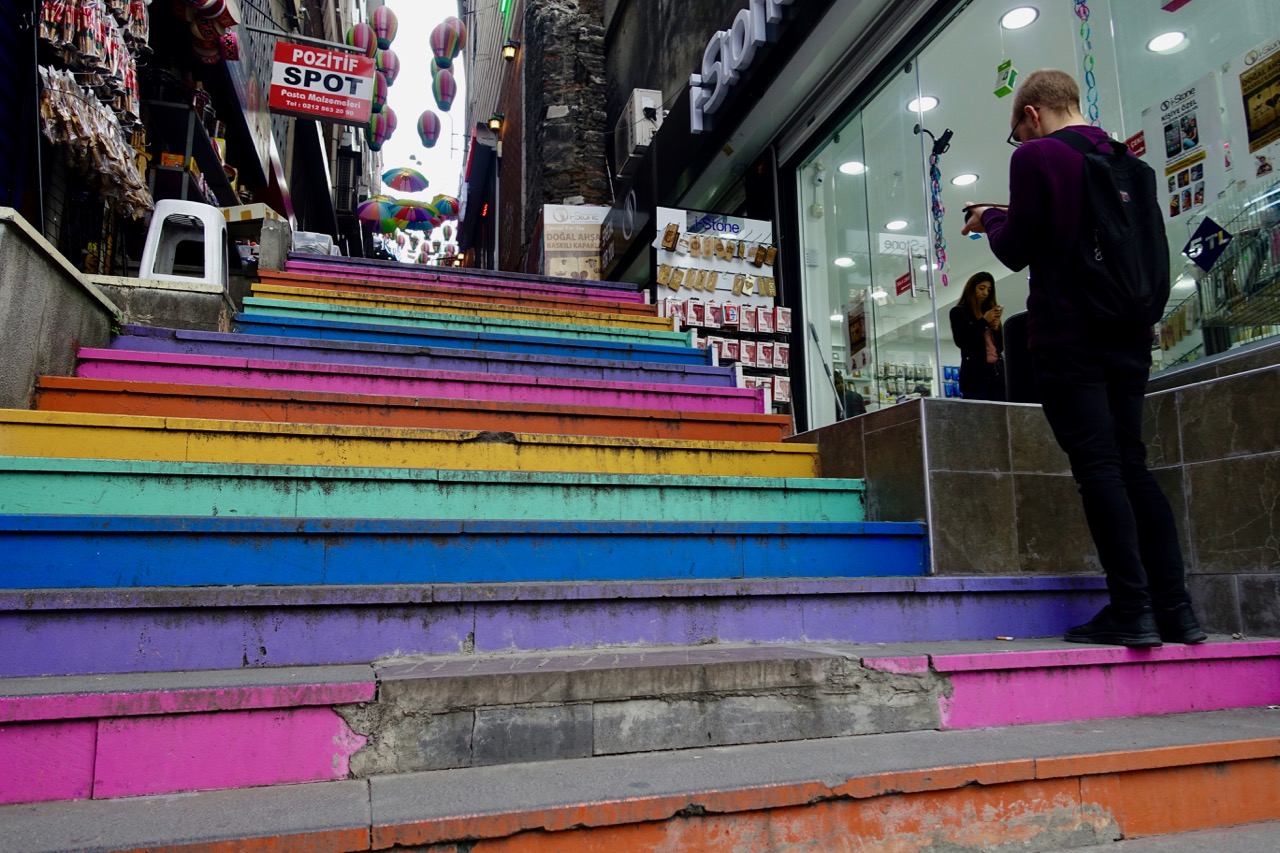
(973, 217)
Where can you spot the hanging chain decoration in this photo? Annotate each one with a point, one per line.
(935, 190)
(1090, 79)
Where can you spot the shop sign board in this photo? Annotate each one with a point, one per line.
(1253, 101)
(911, 245)
(728, 55)
(571, 240)
(902, 284)
(328, 85)
(1186, 146)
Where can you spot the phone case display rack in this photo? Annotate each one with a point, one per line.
(1240, 294)
(89, 100)
(725, 290)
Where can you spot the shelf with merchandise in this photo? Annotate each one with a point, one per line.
(176, 129)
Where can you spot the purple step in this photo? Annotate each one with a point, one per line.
(153, 629)
(275, 348)
(609, 291)
(180, 368)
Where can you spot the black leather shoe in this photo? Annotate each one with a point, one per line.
(1178, 624)
(1112, 627)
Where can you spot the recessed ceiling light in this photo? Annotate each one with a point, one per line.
(922, 104)
(925, 267)
(878, 294)
(1016, 19)
(836, 318)
(965, 179)
(1166, 42)
(853, 167)
(926, 327)
(843, 262)
(896, 224)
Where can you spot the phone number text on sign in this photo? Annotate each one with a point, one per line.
(329, 85)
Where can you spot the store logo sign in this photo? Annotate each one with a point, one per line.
(330, 85)
(728, 54)
(903, 244)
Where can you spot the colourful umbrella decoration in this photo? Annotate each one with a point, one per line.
(384, 26)
(405, 179)
(375, 215)
(428, 128)
(444, 88)
(461, 29)
(447, 205)
(444, 44)
(362, 37)
(379, 92)
(412, 213)
(388, 65)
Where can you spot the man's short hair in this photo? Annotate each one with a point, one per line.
(1047, 88)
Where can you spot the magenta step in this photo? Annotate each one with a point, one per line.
(348, 268)
(182, 368)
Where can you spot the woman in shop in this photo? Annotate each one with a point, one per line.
(977, 331)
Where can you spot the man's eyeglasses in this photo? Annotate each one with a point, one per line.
(1013, 139)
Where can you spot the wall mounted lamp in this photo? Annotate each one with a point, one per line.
(495, 123)
(509, 49)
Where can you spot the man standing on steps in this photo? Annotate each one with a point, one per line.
(1091, 375)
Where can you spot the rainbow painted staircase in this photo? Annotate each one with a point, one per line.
(502, 562)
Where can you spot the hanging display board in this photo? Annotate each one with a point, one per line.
(1184, 144)
(329, 85)
(1252, 84)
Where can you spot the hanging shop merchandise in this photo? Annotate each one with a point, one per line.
(89, 100)
(718, 272)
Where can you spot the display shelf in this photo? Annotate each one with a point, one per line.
(176, 129)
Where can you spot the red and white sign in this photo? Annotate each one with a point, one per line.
(1137, 143)
(902, 284)
(330, 85)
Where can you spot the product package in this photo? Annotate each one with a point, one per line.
(747, 321)
(715, 315)
(782, 389)
(697, 313)
(764, 354)
(782, 320)
(782, 356)
(731, 314)
(747, 352)
(764, 320)
(732, 349)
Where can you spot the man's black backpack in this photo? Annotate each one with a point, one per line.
(1124, 257)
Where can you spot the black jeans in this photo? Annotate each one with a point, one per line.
(982, 381)
(1093, 397)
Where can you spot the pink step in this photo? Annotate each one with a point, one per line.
(182, 368)
(514, 284)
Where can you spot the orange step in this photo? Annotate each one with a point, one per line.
(456, 292)
(157, 399)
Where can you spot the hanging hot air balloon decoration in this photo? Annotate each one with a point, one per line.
(448, 231)
(428, 128)
(444, 44)
(384, 26)
(444, 88)
(381, 126)
(388, 65)
(460, 28)
(435, 68)
(361, 37)
(393, 121)
(379, 92)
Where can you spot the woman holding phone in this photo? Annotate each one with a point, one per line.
(977, 330)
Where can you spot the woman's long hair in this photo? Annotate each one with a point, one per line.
(969, 297)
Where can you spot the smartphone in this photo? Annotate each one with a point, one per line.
(969, 207)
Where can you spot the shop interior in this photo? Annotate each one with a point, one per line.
(866, 194)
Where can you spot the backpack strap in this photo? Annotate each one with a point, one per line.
(1084, 144)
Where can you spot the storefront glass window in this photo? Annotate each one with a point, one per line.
(874, 172)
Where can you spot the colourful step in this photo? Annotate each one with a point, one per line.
(522, 313)
(130, 629)
(168, 733)
(278, 348)
(109, 396)
(53, 551)
(397, 335)
(456, 291)
(371, 269)
(463, 322)
(28, 433)
(41, 485)
(181, 368)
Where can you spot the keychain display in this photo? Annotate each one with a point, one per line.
(99, 41)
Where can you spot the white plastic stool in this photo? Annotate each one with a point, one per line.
(190, 233)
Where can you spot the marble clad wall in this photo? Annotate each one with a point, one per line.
(999, 499)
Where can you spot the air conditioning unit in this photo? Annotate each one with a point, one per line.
(641, 117)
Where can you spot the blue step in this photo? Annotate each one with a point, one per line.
(53, 551)
(332, 330)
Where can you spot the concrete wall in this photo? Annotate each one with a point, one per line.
(47, 311)
(999, 499)
(172, 304)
